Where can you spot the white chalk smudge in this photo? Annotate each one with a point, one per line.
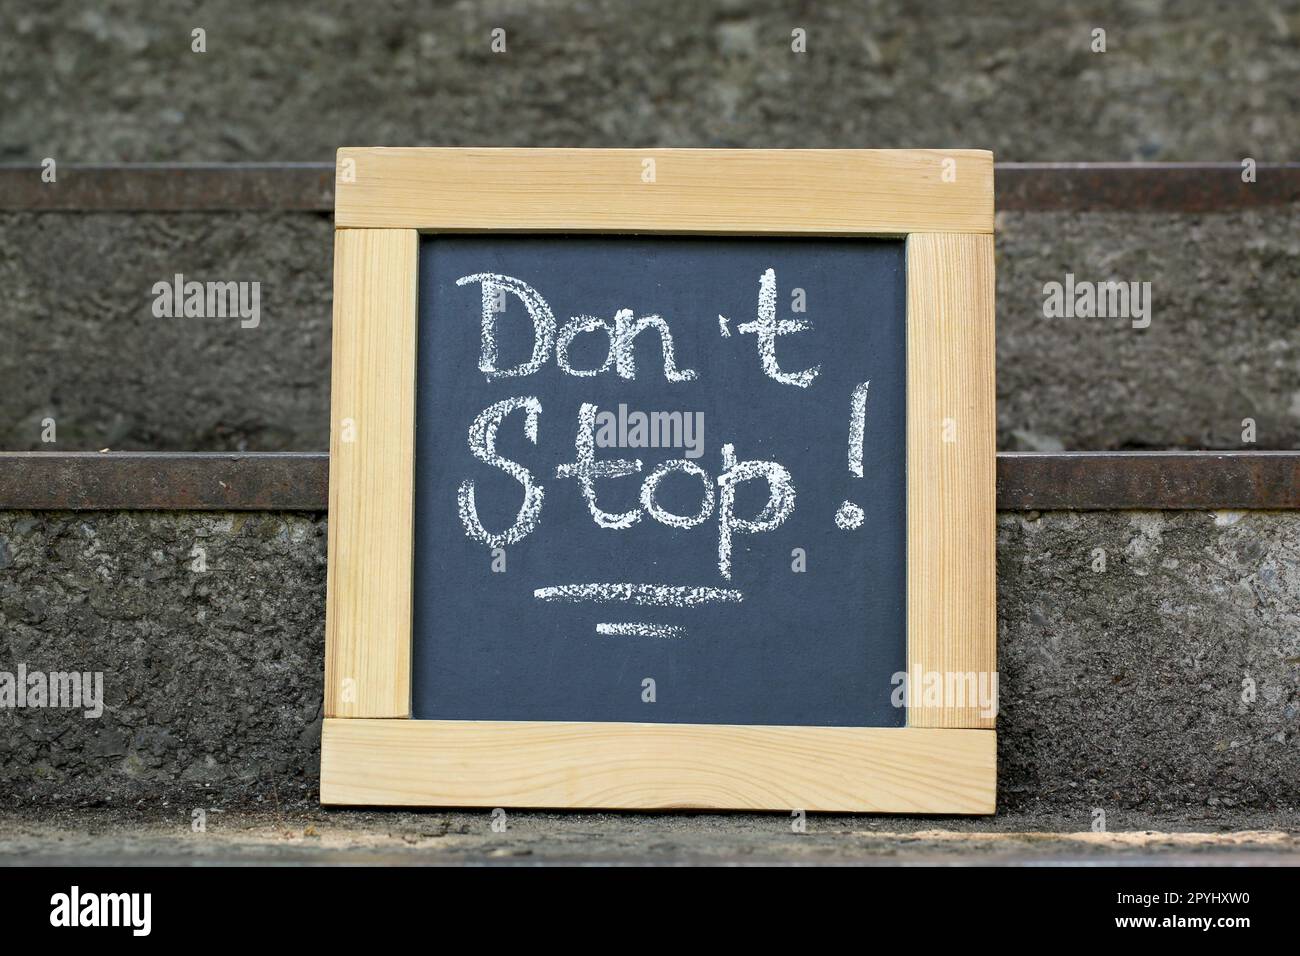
(849, 517)
(482, 445)
(767, 328)
(587, 469)
(634, 629)
(722, 324)
(857, 426)
(651, 595)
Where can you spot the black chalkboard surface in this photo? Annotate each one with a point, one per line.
(750, 570)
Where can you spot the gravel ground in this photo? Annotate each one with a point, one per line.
(268, 836)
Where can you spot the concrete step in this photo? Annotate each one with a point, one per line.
(1167, 684)
(1222, 257)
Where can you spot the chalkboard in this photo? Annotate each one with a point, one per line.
(750, 570)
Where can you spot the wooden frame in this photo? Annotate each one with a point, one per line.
(943, 761)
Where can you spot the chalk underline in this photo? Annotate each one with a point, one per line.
(639, 629)
(661, 595)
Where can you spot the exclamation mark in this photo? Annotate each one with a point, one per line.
(850, 515)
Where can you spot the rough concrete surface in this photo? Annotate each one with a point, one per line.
(171, 835)
(212, 680)
(1125, 689)
(1178, 81)
(88, 352)
(1223, 344)
(85, 349)
(1122, 690)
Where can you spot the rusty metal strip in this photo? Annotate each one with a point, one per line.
(1027, 481)
(1107, 481)
(1143, 187)
(164, 481)
(309, 187)
(171, 187)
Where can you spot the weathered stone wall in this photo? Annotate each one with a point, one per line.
(212, 680)
(1124, 689)
(88, 352)
(84, 348)
(117, 81)
(1223, 344)
(1121, 689)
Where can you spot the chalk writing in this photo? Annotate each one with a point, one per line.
(663, 595)
(482, 445)
(587, 469)
(850, 516)
(634, 629)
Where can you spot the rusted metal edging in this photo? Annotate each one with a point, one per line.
(1143, 187)
(1106, 481)
(309, 187)
(1027, 481)
(163, 481)
(171, 187)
